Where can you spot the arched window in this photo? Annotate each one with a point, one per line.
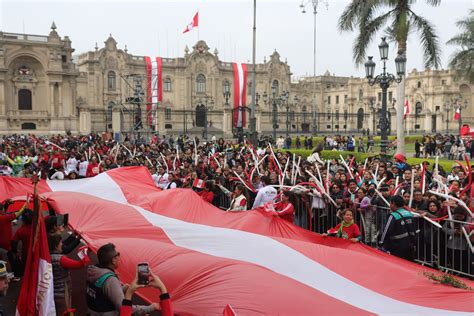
(24, 100)
(419, 84)
(111, 81)
(226, 86)
(167, 84)
(303, 109)
(201, 83)
(276, 87)
(360, 118)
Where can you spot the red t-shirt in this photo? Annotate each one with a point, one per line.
(93, 169)
(352, 231)
(207, 196)
(57, 161)
(6, 231)
(286, 211)
(23, 234)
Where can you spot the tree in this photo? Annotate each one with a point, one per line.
(462, 59)
(397, 20)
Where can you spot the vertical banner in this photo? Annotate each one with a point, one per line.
(154, 91)
(240, 93)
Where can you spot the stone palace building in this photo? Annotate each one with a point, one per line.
(46, 89)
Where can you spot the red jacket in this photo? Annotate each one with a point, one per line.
(207, 196)
(6, 231)
(165, 303)
(93, 169)
(286, 211)
(352, 231)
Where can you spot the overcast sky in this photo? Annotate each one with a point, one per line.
(155, 28)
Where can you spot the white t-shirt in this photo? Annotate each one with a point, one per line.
(83, 168)
(71, 165)
(264, 195)
(161, 181)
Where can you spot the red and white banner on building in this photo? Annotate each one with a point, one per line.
(254, 261)
(240, 94)
(154, 91)
(406, 109)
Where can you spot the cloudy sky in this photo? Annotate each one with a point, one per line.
(155, 28)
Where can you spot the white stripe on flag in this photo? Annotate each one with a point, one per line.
(154, 76)
(45, 289)
(256, 249)
(240, 72)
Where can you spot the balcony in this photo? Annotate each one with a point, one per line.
(27, 115)
(23, 37)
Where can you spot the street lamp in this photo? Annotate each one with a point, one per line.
(372, 107)
(384, 80)
(447, 106)
(284, 99)
(459, 106)
(274, 110)
(315, 4)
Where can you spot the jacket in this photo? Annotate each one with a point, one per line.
(108, 291)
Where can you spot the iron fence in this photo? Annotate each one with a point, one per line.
(445, 248)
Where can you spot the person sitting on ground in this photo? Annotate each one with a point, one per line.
(104, 292)
(346, 229)
(155, 281)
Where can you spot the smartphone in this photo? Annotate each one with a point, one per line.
(143, 271)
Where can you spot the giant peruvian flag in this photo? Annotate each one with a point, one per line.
(37, 288)
(154, 89)
(252, 261)
(240, 93)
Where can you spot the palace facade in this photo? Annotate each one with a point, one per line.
(45, 89)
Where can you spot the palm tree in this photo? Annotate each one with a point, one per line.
(397, 20)
(462, 60)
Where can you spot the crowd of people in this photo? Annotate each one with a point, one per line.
(382, 202)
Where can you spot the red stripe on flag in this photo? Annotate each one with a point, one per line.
(236, 93)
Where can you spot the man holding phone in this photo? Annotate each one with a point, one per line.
(105, 292)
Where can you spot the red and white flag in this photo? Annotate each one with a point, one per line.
(406, 110)
(240, 93)
(466, 130)
(154, 91)
(457, 114)
(194, 23)
(37, 288)
(198, 183)
(208, 258)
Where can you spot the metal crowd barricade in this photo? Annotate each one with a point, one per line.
(446, 249)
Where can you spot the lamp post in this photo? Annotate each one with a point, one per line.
(345, 121)
(284, 99)
(274, 111)
(447, 107)
(384, 80)
(315, 4)
(373, 107)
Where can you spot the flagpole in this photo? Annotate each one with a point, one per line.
(199, 26)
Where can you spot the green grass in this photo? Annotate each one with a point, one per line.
(409, 140)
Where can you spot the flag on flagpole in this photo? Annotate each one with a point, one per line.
(194, 23)
(457, 114)
(37, 289)
(406, 109)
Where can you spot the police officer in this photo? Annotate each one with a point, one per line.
(399, 232)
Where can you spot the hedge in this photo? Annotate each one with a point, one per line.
(319, 139)
(360, 157)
